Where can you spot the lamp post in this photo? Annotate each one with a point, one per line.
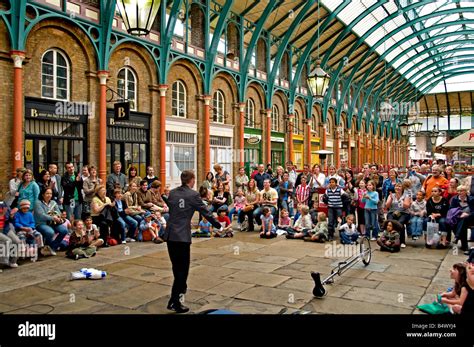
(138, 15)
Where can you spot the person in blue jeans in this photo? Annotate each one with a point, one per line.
(371, 199)
(49, 222)
(127, 224)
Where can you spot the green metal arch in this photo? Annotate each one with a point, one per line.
(309, 46)
(212, 51)
(282, 48)
(253, 41)
(380, 89)
(452, 73)
(166, 36)
(409, 37)
(445, 44)
(358, 43)
(193, 62)
(381, 23)
(464, 67)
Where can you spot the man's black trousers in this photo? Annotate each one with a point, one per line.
(180, 256)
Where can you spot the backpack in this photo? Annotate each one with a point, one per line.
(453, 216)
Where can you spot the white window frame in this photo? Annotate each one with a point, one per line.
(250, 114)
(175, 110)
(55, 75)
(133, 105)
(314, 124)
(296, 125)
(218, 105)
(275, 118)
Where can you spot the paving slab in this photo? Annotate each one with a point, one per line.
(397, 278)
(276, 296)
(251, 277)
(378, 296)
(253, 266)
(334, 305)
(136, 296)
(230, 288)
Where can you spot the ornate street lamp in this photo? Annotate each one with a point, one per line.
(386, 111)
(434, 135)
(318, 80)
(403, 128)
(138, 15)
(416, 126)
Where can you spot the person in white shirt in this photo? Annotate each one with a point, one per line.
(303, 225)
(318, 179)
(291, 172)
(333, 174)
(348, 231)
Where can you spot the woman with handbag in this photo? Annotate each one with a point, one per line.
(101, 213)
(49, 222)
(252, 196)
(398, 206)
(436, 209)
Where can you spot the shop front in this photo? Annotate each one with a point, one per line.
(278, 150)
(55, 132)
(128, 141)
(252, 148)
(298, 151)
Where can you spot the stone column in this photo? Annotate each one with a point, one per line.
(17, 132)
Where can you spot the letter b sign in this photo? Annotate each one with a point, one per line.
(122, 111)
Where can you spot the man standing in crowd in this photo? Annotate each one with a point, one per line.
(306, 173)
(183, 202)
(261, 176)
(435, 180)
(72, 184)
(56, 178)
(116, 180)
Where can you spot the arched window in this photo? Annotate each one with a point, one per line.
(275, 118)
(55, 75)
(127, 86)
(218, 104)
(296, 125)
(178, 100)
(250, 114)
(314, 123)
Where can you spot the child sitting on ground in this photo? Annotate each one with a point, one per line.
(93, 233)
(302, 226)
(268, 228)
(390, 239)
(148, 226)
(320, 231)
(458, 294)
(159, 219)
(25, 224)
(205, 229)
(285, 221)
(225, 222)
(298, 212)
(348, 231)
(79, 245)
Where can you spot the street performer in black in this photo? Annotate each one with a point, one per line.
(183, 202)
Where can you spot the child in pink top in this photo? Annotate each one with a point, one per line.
(285, 220)
(239, 203)
(359, 194)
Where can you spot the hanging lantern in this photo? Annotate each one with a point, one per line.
(318, 81)
(138, 15)
(386, 111)
(403, 126)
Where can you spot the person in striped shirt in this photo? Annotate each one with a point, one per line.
(333, 198)
(302, 192)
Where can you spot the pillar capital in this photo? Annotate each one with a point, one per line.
(207, 99)
(268, 111)
(103, 76)
(240, 106)
(18, 58)
(163, 88)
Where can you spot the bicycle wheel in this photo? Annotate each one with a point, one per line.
(365, 251)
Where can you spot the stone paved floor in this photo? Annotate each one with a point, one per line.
(244, 274)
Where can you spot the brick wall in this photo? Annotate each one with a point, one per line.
(197, 26)
(261, 55)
